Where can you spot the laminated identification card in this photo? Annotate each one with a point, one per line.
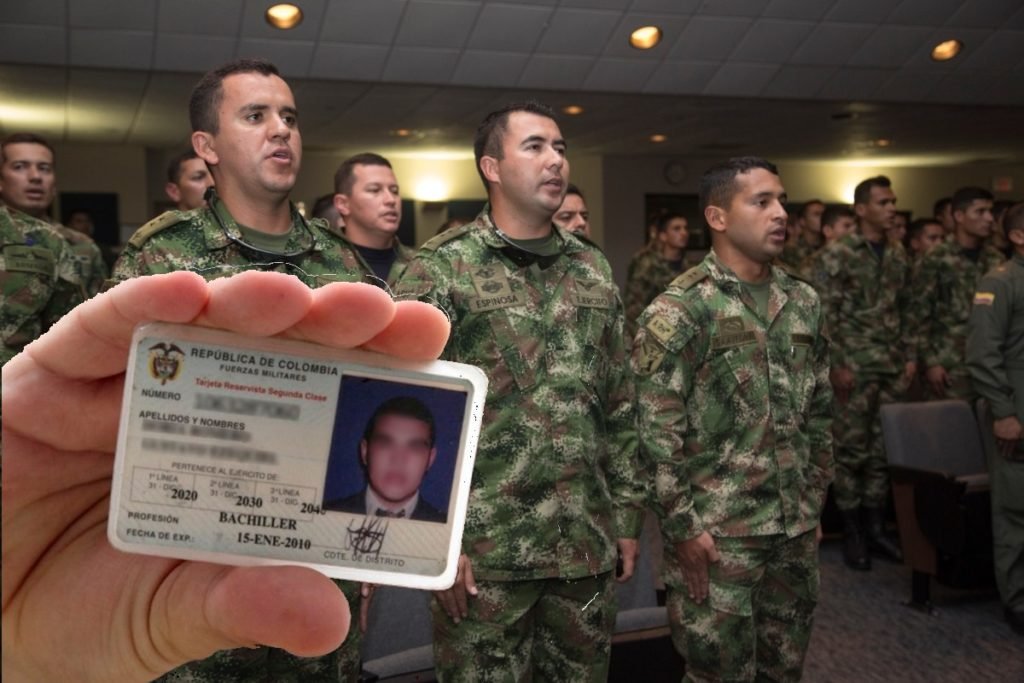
(260, 451)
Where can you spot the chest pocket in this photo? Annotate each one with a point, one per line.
(801, 373)
(594, 304)
(22, 258)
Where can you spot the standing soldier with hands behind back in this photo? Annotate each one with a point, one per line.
(734, 406)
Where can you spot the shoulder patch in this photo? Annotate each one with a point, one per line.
(436, 241)
(158, 224)
(689, 278)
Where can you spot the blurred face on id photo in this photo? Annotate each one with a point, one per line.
(397, 456)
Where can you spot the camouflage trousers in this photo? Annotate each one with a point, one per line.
(756, 621)
(862, 475)
(271, 665)
(1007, 479)
(542, 630)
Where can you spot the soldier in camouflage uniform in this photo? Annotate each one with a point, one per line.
(188, 178)
(734, 404)
(245, 127)
(651, 270)
(39, 282)
(555, 486)
(367, 198)
(995, 358)
(943, 287)
(809, 239)
(836, 222)
(874, 353)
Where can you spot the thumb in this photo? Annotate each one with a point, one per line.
(200, 608)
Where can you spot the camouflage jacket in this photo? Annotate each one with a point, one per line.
(194, 240)
(648, 276)
(866, 302)
(793, 255)
(555, 481)
(735, 410)
(90, 267)
(943, 287)
(39, 282)
(995, 339)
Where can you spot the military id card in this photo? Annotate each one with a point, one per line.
(261, 451)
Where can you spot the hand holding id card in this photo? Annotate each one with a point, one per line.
(269, 451)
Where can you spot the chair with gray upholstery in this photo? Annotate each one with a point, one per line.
(398, 643)
(941, 494)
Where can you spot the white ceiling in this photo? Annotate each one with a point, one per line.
(784, 78)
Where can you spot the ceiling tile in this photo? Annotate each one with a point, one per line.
(771, 40)
(622, 75)
(596, 4)
(349, 62)
(577, 32)
(291, 57)
(969, 86)
(618, 44)
(891, 46)
(680, 78)
(923, 12)
(421, 65)
(709, 38)
(798, 81)
(984, 13)
(178, 52)
(860, 11)
(555, 71)
(1016, 21)
(797, 9)
(854, 84)
(255, 26)
(222, 18)
(479, 67)
(741, 79)
(666, 6)
(909, 85)
(33, 44)
(733, 8)
(114, 49)
(363, 21)
(1005, 47)
(104, 14)
(35, 12)
(435, 23)
(832, 44)
(508, 28)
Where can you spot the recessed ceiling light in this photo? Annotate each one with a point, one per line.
(946, 50)
(645, 37)
(883, 142)
(658, 137)
(573, 110)
(402, 132)
(284, 16)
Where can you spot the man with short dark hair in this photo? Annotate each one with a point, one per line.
(923, 234)
(942, 211)
(188, 178)
(245, 127)
(397, 449)
(943, 286)
(809, 238)
(573, 215)
(836, 222)
(556, 488)
(368, 200)
(734, 404)
(874, 358)
(28, 184)
(654, 269)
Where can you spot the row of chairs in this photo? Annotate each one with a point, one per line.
(937, 463)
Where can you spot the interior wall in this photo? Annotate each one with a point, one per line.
(120, 169)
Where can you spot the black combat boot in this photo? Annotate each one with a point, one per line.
(878, 543)
(855, 544)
